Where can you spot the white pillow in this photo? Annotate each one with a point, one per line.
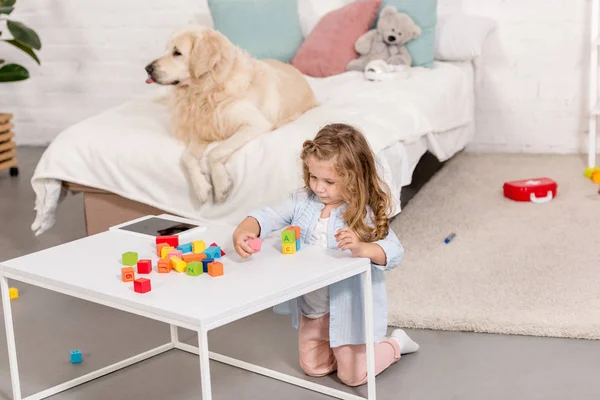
(460, 37)
(311, 11)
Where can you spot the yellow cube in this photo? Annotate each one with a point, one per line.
(198, 246)
(288, 248)
(178, 264)
(13, 293)
(164, 252)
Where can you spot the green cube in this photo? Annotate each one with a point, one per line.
(288, 236)
(130, 258)
(194, 268)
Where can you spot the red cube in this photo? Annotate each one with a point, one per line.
(141, 285)
(144, 266)
(172, 240)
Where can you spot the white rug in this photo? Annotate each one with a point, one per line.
(513, 268)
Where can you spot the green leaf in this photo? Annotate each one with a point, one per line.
(13, 73)
(7, 3)
(6, 10)
(25, 48)
(24, 34)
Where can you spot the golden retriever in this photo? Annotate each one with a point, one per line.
(220, 93)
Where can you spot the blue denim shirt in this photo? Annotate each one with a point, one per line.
(346, 324)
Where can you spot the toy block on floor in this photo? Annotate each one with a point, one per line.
(129, 258)
(13, 293)
(185, 248)
(222, 252)
(127, 274)
(255, 244)
(159, 248)
(142, 285)
(205, 263)
(172, 240)
(164, 266)
(194, 257)
(76, 357)
(288, 248)
(213, 252)
(195, 268)
(178, 264)
(296, 230)
(288, 236)
(215, 268)
(198, 246)
(164, 252)
(144, 266)
(175, 253)
(297, 244)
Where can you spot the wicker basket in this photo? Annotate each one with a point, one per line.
(8, 152)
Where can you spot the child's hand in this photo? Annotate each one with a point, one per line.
(348, 240)
(240, 243)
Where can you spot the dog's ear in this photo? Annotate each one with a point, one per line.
(207, 51)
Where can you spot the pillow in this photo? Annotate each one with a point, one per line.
(460, 37)
(424, 13)
(311, 11)
(330, 46)
(264, 28)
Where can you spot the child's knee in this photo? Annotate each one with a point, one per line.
(316, 369)
(352, 376)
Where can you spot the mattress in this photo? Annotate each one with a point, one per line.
(128, 150)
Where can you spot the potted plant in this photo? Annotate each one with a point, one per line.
(26, 40)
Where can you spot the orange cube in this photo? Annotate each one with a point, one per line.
(127, 274)
(295, 229)
(215, 268)
(164, 266)
(194, 257)
(159, 247)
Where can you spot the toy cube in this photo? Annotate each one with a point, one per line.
(164, 252)
(288, 248)
(130, 258)
(198, 246)
(222, 252)
(194, 257)
(164, 266)
(127, 274)
(159, 248)
(194, 268)
(205, 263)
(294, 228)
(178, 264)
(596, 176)
(13, 293)
(141, 285)
(297, 244)
(144, 266)
(76, 357)
(255, 244)
(172, 240)
(288, 236)
(175, 253)
(185, 248)
(213, 252)
(215, 268)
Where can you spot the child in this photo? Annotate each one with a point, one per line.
(345, 205)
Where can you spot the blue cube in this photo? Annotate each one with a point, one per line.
(76, 357)
(205, 263)
(298, 245)
(213, 252)
(185, 248)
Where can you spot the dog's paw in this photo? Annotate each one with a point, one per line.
(202, 188)
(221, 182)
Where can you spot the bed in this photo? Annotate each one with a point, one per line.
(126, 164)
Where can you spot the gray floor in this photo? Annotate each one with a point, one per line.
(450, 365)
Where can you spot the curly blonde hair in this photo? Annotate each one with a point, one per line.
(361, 185)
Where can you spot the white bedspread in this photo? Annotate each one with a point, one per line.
(127, 150)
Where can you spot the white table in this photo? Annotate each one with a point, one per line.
(89, 269)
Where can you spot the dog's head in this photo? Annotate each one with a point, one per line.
(191, 53)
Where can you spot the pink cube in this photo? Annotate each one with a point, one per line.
(255, 244)
(176, 253)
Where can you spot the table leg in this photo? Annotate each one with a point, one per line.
(10, 339)
(369, 335)
(174, 335)
(204, 364)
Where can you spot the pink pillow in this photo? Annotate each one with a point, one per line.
(330, 45)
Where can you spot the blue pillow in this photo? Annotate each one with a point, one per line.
(424, 13)
(264, 28)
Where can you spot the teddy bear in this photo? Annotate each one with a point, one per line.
(387, 41)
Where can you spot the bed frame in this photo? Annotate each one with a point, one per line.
(104, 209)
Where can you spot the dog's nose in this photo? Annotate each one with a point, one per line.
(391, 38)
(149, 68)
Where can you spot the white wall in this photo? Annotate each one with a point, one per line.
(531, 98)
